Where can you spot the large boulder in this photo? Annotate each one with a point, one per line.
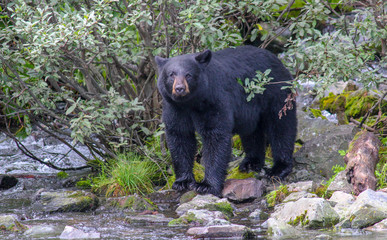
(312, 213)
(319, 154)
(369, 208)
(242, 190)
(65, 201)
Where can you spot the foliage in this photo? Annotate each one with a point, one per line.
(256, 85)
(322, 190)
(277, 196)
(86, 69)
(126, 175)
(381, 166)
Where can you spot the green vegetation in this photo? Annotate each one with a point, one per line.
(300, 220)
(277, 196)
(62, 175)
(86, 70)
(83, 184)
(126, 175)
(321, 191)
(381, 167)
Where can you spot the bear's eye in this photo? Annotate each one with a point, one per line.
(172, 74)
(188, 76)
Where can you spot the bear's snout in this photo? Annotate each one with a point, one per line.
(180, 86)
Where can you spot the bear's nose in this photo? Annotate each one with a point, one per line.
(180, 89)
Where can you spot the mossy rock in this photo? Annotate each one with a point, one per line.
(234, 173)
(184, 220)
(136, 203)
(353, 104)
(9, 222)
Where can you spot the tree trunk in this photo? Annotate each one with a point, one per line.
(361, 161)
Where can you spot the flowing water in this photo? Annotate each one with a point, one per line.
(110, 224)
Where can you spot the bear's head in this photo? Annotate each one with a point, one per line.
(180, 77)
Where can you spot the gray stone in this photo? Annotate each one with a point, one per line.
(197, 217)
(43, 231)
(306, 186)
(369, 208)
(280, 229)
(146, 220)
(380, 226)
(10, 222)
(208, 202)
(233, 231)
(73, 233)
(320, 154)
(294, 196)
(313, 213)
(65, 201)
(341, 201)
(340, 183)
(241, 190)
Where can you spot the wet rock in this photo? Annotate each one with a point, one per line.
(306, 186)
(233, 231)
(341, 201)
(65, 201)
(43, 231)
(10, 222)
(165, 196)
(380, 226)
(309, 128)
(369, 208)
(298, 195)
(188, 196)
(197, 217)
(312, 213)
(242, 190)
(320, 154)
(280, 229)
(340, 183)
(7, 182)
(146, 220)
(132, 203)
(258, 214)
(208, 202)
(73, 233)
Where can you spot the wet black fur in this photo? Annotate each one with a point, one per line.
(216, 108)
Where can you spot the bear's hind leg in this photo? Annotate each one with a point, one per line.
(281, 135)
(254, 146)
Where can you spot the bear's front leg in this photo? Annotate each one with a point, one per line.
(216, 156)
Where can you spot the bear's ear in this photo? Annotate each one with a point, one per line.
(204, 57)
(161, 61)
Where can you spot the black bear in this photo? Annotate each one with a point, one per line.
(201, 94)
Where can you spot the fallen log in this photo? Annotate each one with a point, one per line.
(361, 161)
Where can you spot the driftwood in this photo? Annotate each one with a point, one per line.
(361, 161)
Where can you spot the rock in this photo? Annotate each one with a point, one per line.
(312, 213)
(306, 186)
(187, 196)
(73, 233)
(380, 226)
(242, 190)
(10, 222)
(281, 230)
(197, 217)
(341, 201)
(309, 128)
(65, 201)
(42, 231)
(165, 196)
(369, 208)
(258, 214)
(146, 220)
(233, 231)
(320, 154)
(298, 195)
(132, 203)
(340, 86)
(7, 182)
(323, 237)
(340, 183)
(208, 202)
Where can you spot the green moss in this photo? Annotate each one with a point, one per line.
(83, 184)
(277, 196)
(184, 220)
(300, 220)
(62, 175)
(198, 171)
(317, 113)
(236, 174)
(225, 208)
(236, 142)
(135, 203)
